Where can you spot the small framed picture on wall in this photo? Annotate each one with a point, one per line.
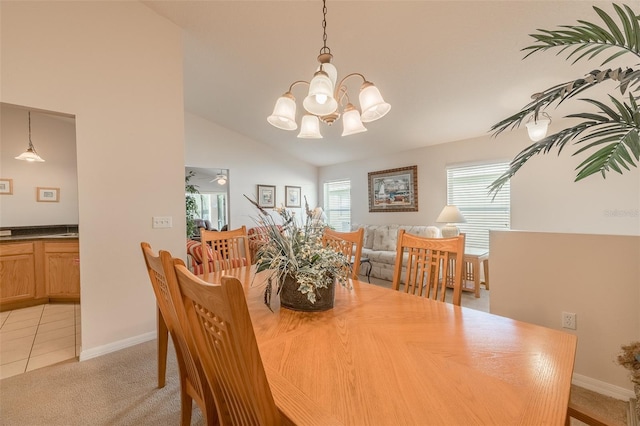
(48, 195)
(266, 195)
(6, 186)
(293, 195)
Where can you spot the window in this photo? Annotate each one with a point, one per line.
(467, 189)
(337, 200)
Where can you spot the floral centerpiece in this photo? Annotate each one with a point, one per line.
(304, 271)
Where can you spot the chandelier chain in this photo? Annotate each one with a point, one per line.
(324, 49)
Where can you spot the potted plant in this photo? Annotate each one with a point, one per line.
(304, 271)
(629, 358)
(610, 135)
(191, 203)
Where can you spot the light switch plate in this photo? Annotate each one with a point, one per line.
(162, 222)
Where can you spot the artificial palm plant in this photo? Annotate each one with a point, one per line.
(609, 135)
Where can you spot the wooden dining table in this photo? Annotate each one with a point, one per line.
(382, 357)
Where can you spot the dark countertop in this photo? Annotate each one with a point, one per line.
(65, 236)
(25, 233)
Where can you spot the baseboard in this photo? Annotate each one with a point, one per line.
(602, 388)
(116, 346)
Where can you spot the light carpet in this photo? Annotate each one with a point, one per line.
(114, 389)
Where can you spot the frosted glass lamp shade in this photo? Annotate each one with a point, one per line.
(450, 215)
(351, 121)
(331, 71)
(284, 113)
(30, 155)
(320, 100)
(310, 127)
(538, 129)
(371, 102)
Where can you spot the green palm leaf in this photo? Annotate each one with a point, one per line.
(613, 131)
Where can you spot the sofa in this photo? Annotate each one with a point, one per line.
(379, 246)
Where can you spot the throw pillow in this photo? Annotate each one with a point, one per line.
(385, 239)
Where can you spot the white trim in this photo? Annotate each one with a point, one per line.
(116, 346)
(603, 388)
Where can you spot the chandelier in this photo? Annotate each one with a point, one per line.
(325, 99)
(30, 154)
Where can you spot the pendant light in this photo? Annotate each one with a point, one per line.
(537, 128)
(30, 155)
(325, 99)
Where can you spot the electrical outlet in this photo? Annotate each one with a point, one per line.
(162, 222)
(569, 320)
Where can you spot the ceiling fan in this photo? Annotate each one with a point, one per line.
(221, 178)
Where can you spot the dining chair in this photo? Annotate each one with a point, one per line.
(193, 386)
(226, 343)
(430, 266)
(347, 243)
(229, 249)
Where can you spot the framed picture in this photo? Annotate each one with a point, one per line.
(266, 195)
(48, 195)
(6, 186)
(394, 190)
(292, 196)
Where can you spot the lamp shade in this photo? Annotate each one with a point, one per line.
(310, 127)
(320, 100)
(450, 214)
(538, 129)
(351, 121)
(30, 155)
(371, 102)
(284, 113)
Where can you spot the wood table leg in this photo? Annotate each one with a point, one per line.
(485, 267)
(163, 341)
(476, 276)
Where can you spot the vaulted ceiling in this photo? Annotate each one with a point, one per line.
(449, 69)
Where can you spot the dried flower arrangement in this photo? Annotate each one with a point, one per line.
(629, 358)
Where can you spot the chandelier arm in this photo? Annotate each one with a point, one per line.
(295, 83)
(341, 93)
(341, 86)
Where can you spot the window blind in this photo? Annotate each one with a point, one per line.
(467, 188)
(337, 198)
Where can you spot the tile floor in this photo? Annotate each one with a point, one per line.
(38, 336)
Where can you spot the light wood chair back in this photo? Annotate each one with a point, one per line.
(193, 386)
(230, 249)
(347, 243)
(431, 266)
(219, 318)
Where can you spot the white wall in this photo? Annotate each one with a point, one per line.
(535, 276)
(250, 163)
(55, 140)
(117, 67)
(544, 196)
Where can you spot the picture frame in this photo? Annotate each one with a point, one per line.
(266, 195)
(292, 196)
(394, 190)
(6, 186)
(47, 195)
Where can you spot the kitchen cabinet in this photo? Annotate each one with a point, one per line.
(62, 270)
(38, 271)
(17, 272)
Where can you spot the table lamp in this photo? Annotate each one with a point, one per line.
(450, 215)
